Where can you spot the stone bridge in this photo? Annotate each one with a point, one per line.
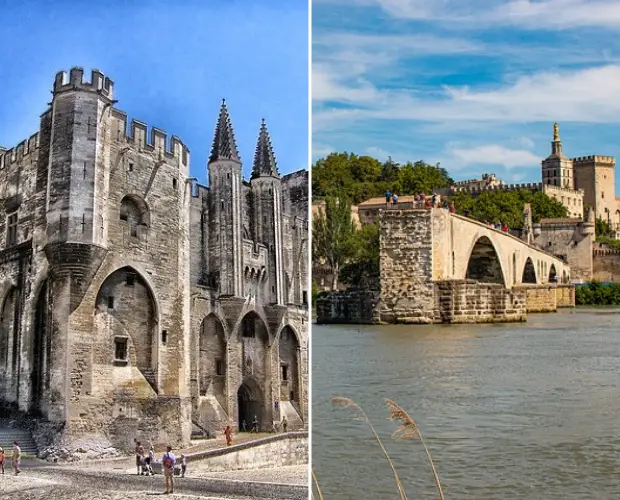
(439, 267)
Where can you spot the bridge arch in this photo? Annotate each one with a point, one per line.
(484, 264)
(553, 275)
(529, 272)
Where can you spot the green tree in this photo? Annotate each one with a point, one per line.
(331, 235)
(507, 206)
(420, 177)
(601, 228)
(362, 269)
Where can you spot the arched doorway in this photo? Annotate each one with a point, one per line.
(484, 264)
(249, 405)
(553, 278)
(9, 348)
(41, 350)
(289, 366)
(126, 296)
(529, 272)
(212, 356)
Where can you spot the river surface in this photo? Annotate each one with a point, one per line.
(512, 411)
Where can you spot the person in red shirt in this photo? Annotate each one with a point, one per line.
(452, 209)
(505, 228)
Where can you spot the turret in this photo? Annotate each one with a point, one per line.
(267, 212)
(557, 170)
(225, 182)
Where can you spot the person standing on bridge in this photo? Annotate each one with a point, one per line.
(452, 209)
(2, 460)
(228, 432)
(388, 196)
(168, 463)
(395, 199)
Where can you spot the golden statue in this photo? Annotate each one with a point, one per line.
(556, 132)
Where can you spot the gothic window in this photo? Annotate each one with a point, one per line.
(135, 213)
(284, 373)
(11, 229)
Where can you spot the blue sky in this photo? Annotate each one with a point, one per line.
(171, 63)
(473, 84)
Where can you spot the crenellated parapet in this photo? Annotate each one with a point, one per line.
(75, 81)
(154, 140)
(530, 186)
(24, 148)
(551, 189)
(598, 159)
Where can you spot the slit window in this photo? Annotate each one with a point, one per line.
(131, 167)
(284, 369)
(11, 229)
(120, 349)
(174, 183)
(110, 302)
(304, 297)
(164, 336)
(219, 367)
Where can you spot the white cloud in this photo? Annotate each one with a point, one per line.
(545, 14)
(492, 154)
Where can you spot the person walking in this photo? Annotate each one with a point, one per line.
(149, 461)
(2, 460)
(284, 423)
(255, 424)
(17, 457)
(168, 462)
(183, 465)
(228, 432)
(140, 458)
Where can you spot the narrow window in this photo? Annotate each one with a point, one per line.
(228, 175)
(131, 167)
(164, 336)
(110, 302)
(222, 205)
(120, 349)
(174, 183)
(284, 373)
(219, 367)
(304, 299)
(11, 231)
(134, 230)
(273, 289)
(130, 279)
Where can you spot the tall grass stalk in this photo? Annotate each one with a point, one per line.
(316, 485)
(349, 403)
(408, 429)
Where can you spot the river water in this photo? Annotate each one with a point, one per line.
(512, 411)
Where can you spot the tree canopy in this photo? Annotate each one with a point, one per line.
(361, 177)
(507, 206)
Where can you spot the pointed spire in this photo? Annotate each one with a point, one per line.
(556, 144)
(224, 145)
(264, 159)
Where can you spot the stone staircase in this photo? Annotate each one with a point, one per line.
(288, 410)
(22, 436)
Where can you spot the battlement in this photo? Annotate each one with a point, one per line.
(75, 81)
(557, 189)
(596, 159)
(24, 148)
(530, 186)
(156, 140)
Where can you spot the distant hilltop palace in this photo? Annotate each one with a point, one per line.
(136, 302)
(577, 183)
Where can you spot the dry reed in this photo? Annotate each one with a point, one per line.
(349, 403)
(316, 485)
(408, 429)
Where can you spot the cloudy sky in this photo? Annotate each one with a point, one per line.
(171, 62)
(473, 84)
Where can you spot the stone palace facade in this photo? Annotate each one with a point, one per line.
(136, 301)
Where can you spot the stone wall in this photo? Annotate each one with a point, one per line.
(468, 301)
(355, 306)
(606, 264)
(539, 298)
(280, 450)
(565, 295)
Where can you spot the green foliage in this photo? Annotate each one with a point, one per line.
(601, 228)
(507, 206)
(608, 241)
(598, 294)
(362, 269)
(361, 177)
(315, 291)
(331, 235)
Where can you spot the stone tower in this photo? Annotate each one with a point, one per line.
(267, 216)
(557, 170)
(596, 176)
(225, 181)
(76, 205)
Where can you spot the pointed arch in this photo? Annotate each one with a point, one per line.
(9, 348)
(529, 272)
(135, 213)
(212, 355)
(484, 264)
(288, 349)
